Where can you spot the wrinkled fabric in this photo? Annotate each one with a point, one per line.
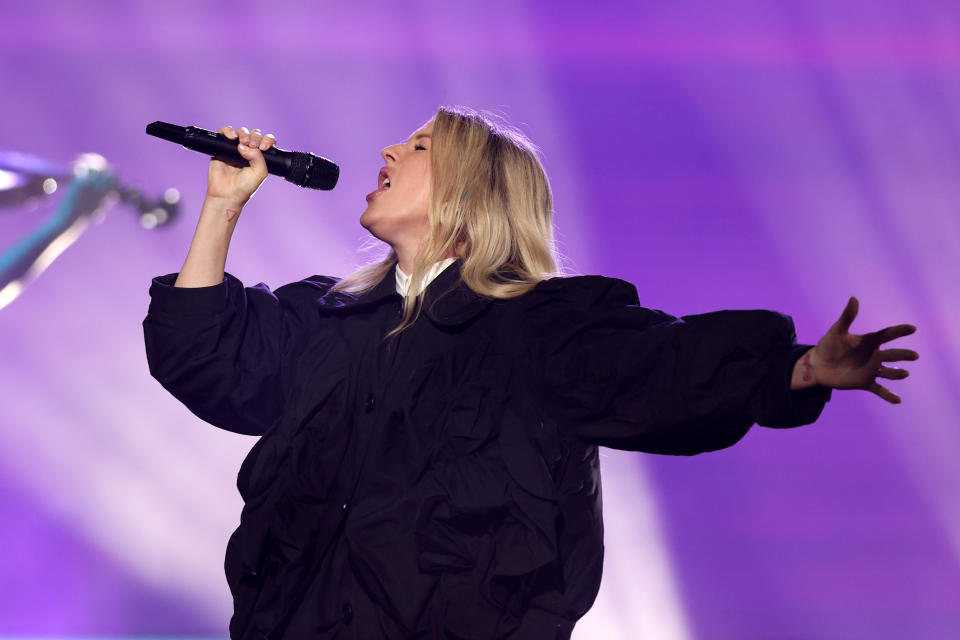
(444, 482)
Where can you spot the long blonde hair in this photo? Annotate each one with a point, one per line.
(490, 205)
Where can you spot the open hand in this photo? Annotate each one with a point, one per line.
(843, 360)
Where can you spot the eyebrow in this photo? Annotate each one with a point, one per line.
(422, 135)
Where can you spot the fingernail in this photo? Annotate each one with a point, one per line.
(263, 146)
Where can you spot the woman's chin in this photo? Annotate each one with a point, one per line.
(368, 220)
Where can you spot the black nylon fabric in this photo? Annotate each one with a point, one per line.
(444, 483)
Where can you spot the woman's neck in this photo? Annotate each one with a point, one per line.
(405, 260)
(409, 270)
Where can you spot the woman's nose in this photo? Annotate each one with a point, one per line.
(390, 153)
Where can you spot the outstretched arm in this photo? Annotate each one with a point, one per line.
(842, 360)
(620, 375)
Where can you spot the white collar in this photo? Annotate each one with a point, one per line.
(403, 280)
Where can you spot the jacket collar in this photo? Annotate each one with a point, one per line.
(447, 300)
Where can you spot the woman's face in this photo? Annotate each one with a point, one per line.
(397, 210)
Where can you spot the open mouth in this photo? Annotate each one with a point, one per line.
(383, 184)
(383, 179)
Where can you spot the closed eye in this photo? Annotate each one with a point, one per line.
(419, 146)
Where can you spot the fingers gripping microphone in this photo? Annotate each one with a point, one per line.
(302, 169)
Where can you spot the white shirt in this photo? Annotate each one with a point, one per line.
(403, 280)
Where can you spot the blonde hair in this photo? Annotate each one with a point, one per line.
(490, 205)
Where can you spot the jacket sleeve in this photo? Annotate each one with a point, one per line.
(224, 350)
(624, 376)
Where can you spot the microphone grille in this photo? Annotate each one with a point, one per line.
(312, 171)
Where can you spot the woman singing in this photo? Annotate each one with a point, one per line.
(428, 427)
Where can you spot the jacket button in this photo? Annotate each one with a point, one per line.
(369, 403)
(347, 613)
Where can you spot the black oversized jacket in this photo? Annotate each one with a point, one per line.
(444, 483)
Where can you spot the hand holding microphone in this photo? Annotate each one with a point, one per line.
(239, 164)
(234, 182)
(232, 178)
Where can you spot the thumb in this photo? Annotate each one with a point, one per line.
(849, 313)
(254, 156)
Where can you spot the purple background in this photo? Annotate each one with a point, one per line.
(773, 154)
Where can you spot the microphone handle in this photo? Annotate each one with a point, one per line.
(223, 148)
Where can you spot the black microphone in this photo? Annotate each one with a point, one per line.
(302, 169)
